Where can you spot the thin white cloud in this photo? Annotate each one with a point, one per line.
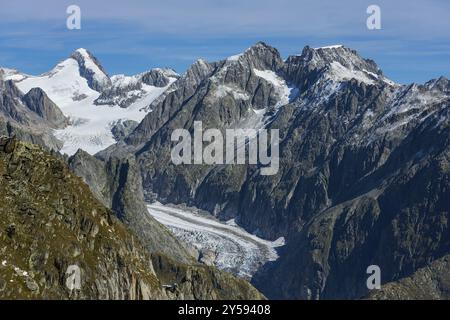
(176, 32)
(251, 17)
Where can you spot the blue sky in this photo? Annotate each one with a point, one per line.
(133, 36)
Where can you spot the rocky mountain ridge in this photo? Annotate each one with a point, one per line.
(31, 116)
(363, 175)
(92, 101)
(352, 144)
(51, 223)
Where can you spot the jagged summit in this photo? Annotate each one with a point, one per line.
(199, 70)
(10, 74)
(441, 84)
(260, 46)
(260, 56)
(363, 161)
(126, 90)
(347, 57)
(91, 69)
(336, 63)
(83, 55)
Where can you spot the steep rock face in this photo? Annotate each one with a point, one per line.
(44, 139)
(51, 221)
(123, 128)
(232, 93)
(158, 77)
(346, 201)
(353, 146)
(126, 90)
(381, 199)
(91, 69)
(37, 101)
(31, 117)
(428, 283)
(222, 93)
(11, 108)
(94, 102)
(177, 93)
(117, 184)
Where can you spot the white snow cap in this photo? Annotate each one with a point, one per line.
(335, 46)
(89, 63)
(83, 52)
(90, 124)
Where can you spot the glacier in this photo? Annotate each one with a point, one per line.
(232, 248)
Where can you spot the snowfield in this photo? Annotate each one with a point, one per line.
(90, 124)
(230, 247)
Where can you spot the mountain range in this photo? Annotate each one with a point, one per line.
(364, 161)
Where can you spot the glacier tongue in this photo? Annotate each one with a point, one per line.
(228, 246)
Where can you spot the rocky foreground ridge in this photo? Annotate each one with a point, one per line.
(50, 220)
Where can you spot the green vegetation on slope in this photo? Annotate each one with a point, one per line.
(50, 220)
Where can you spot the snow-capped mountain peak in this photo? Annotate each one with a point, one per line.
(334, 46)
(338, 54)
(94, 103)
(335, 63)
(91, 69)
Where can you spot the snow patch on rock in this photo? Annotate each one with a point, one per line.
(285, 92)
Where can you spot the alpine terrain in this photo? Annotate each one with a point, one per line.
(363, 180)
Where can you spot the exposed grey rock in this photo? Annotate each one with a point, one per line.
(158, 77)
(125, 90)
(37, 101)
(10, 103)
(8, 144)
(96, 81)
(117, 184)
(363, 176)
(45, 138)
(31, 284)
(72, 231)
(170, 101)
(221, 95)
(123, 128)
(31, 117)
